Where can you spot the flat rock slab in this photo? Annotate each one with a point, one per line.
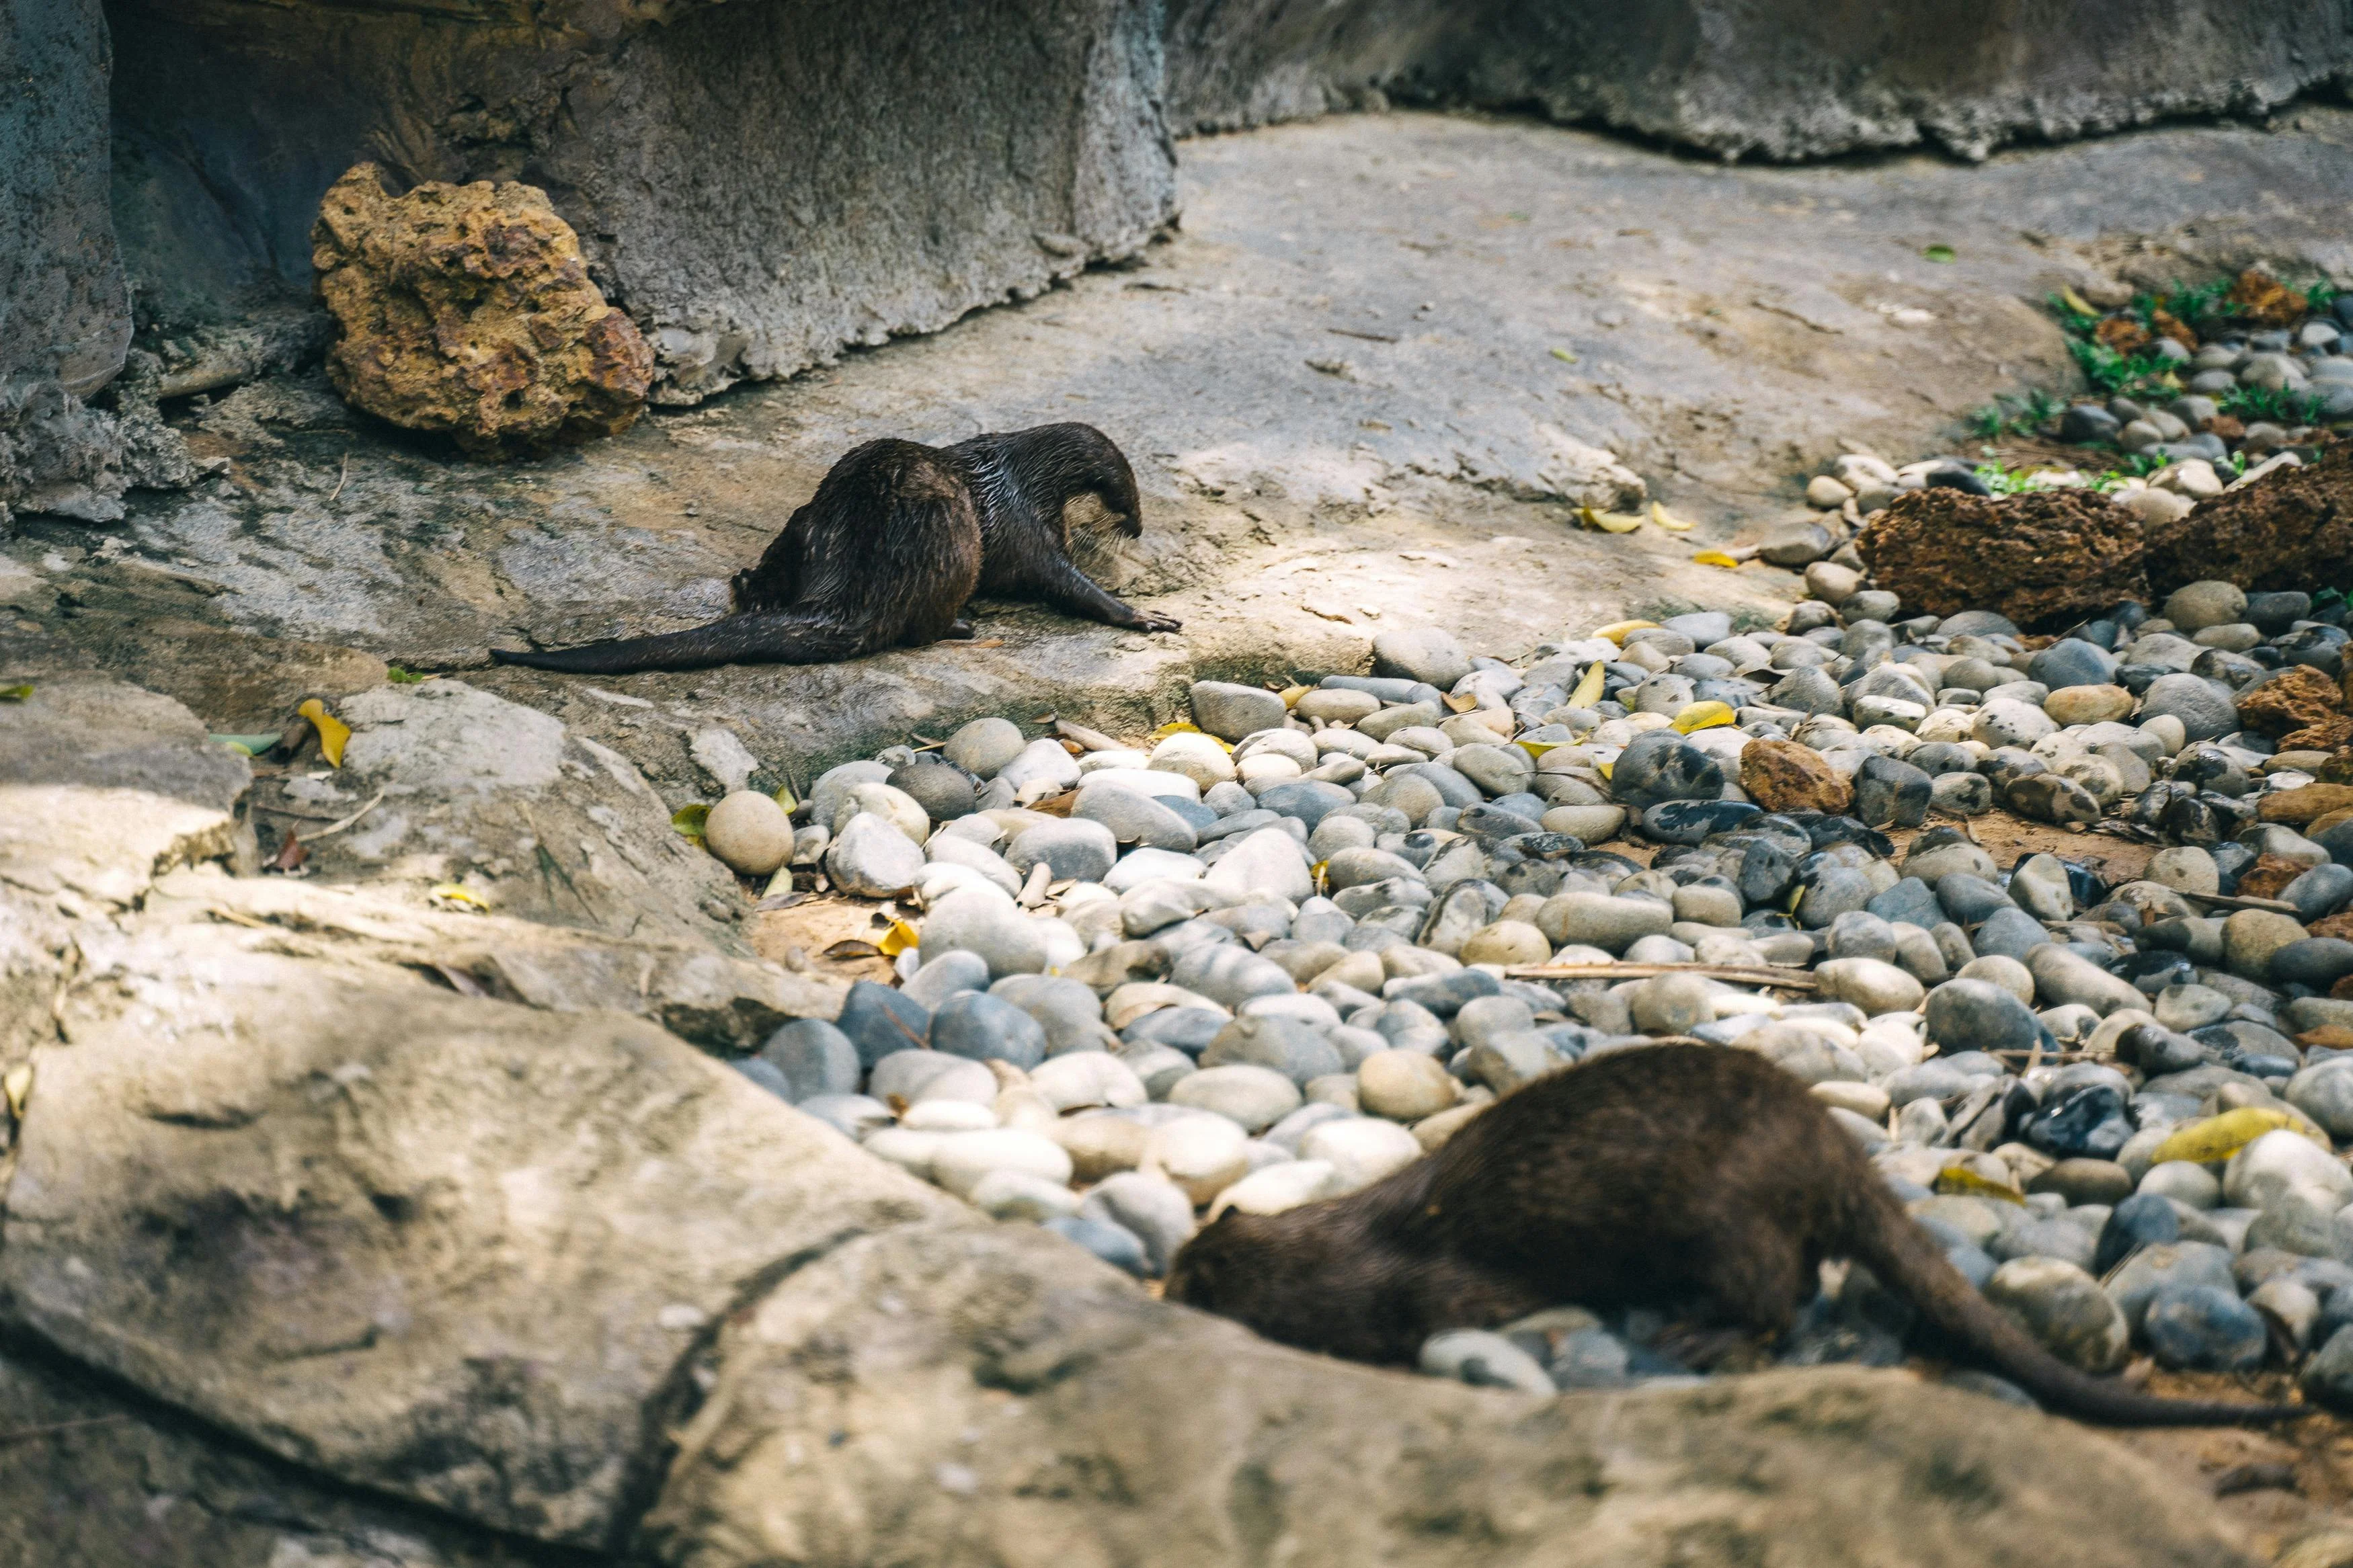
(90, 1478)
(438, 1246)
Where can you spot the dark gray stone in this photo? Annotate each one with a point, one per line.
(2012, 933)
(1288, 1047)
(1891, 794)
(987, 1028)
(1910, 899)
(2203, 1328)
(944, 792)
(879, 1020)
(813, 1058)
(2071, 661)
(2145, 1219)
(1660, 766)
(1978, 1016)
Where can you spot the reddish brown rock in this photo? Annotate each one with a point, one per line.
(2123, 334)
(2268, 875)
(2290, 529)
(2340, 926)
(1782, 775)
(466, 309)
(2298, 697)
(2330, 734)
(2265, 302)
(2047, 558)
(2295, 806)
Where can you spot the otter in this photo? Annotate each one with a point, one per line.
(1651, 1176)
(897, 537)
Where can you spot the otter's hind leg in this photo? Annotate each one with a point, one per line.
(1757, 1275)
(771, 584)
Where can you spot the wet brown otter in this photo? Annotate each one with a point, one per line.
(897, 537)
(1650, 1176)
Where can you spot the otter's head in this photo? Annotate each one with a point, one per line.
(1224, 1257)
(1092, 475)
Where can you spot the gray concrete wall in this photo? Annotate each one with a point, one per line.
(1774, 79)
(759, 183)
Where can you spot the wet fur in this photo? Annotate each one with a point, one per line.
(896, 539)
(1656, 1176)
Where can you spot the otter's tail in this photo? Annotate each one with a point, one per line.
(1907, 1260)
(739, 639)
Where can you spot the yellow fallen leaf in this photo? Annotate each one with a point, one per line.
(1291, 694)
(784, 798)
(18, 1086)
(2220, 1137)
(688, 819)
(1462, 702)
(1536, 749)
(1668, 520)
(452, 895)
(1618, 631)
(1705, 716)
(251, 745)
(2076, 302)
(1609, 521)
(1604, 768)
(1959, 1181)
(1564, 357)
(1714, 558)
(1588, 689)
(1179, 727)
(897, 939)
(333, 732)
(21, 691)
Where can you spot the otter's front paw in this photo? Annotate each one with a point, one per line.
(1154, 621)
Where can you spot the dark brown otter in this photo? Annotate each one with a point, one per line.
(896, 539)
(1657, 1175)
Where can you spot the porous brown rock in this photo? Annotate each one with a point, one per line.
(2297, 697)
(466, 309)
(1783, 775)
(2290, 529)
(2268, 875)
(2297, 806)
(2043, 559)
(2333, 733)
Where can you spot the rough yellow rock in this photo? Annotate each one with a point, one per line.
(466, 309)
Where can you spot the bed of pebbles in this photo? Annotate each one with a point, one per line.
(1272, 955)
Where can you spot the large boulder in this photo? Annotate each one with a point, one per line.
(1777, 80)
(1020, 1404)
(90, 1478)
(435, 1244)
(758, 185)
(2042, 558)
(533, 819)
(465, 309)
(2291, 528)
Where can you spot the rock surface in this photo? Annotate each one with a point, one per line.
(2290, 529)
(2048, 556)
(1774, 81)
(467, 309)
(497, 1271)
